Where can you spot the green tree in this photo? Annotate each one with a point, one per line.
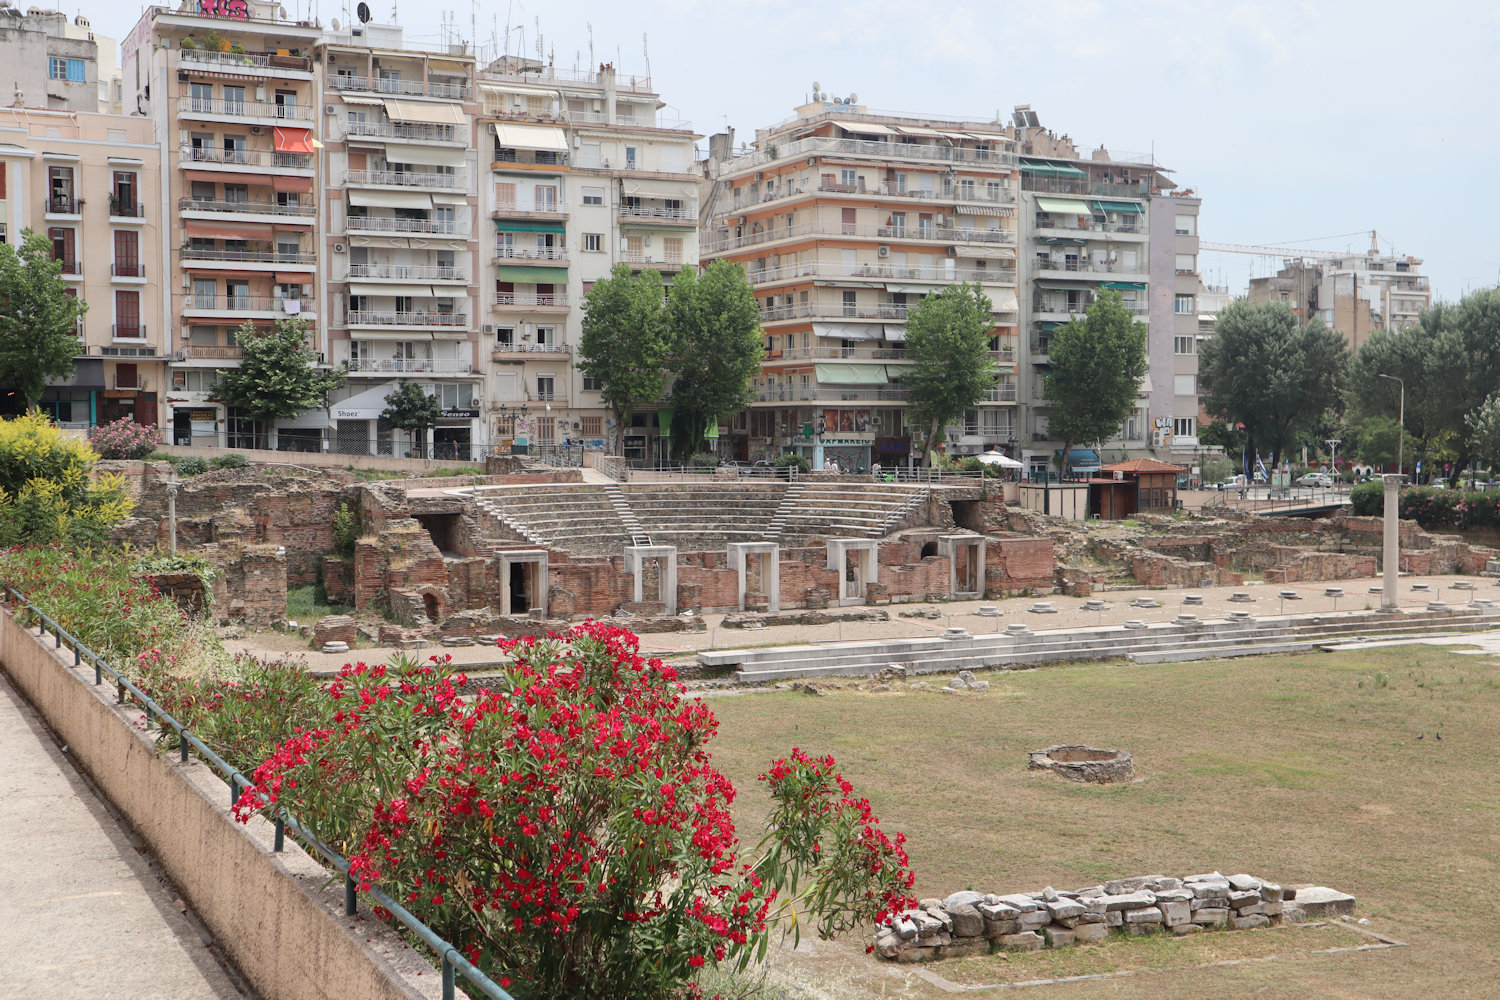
(948, 342)
(277, 377)
(1426, 358)
(1484, 432)
(1226, 436)
(1097, 364)
(38, 319)
(411, 409)
(1379, 441)
(1268, 372)
(624, 342)
(713, 332)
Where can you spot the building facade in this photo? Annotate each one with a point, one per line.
(1354, 294)
(56, 64)
(843, 219)
(83, 180)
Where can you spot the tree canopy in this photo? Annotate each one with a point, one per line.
(1269, 372)
(624, 341)
(1097, 364)
(38, 318)
(948, 343)
(277, 377)
(713, 331)
(411, 409)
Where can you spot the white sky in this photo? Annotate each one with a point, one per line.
(1294, 121)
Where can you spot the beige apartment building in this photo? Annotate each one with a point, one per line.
(584, 171)
(232, 95)
(86, 182)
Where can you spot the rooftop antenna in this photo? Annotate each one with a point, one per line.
(591, 47)
(647, 53)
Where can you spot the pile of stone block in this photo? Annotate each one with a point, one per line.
(973, 923)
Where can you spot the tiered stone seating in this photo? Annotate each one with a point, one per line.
(576, 517)
(846, 510)
(705, 516)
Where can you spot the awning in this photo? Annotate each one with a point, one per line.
(1064, 206)
(532, 275)
(440, 198)
(513, 136)
(909, 289)
(658, 189)
(1004, 300)
(213, 177)
(292, 185)
(848, 331)
(390, 199)
(292, 140)
(229, 231)
(1064, 286)
(366, 288)
(294, 278)
(1080, 458)
(1000, 211)
(895, 334)
(1050, 169)
(865, 128)
(1124, 285)
(421, 111)
(1127, 207)
(426, 156)
(985, 252)
(850, 374)
(530, 227)
(349, 98)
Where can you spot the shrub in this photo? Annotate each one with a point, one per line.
(1368, 499)
(345, 529)
(790, 461)
(702, 460)
(233, 460)
(124, 438)
(32, 448)
(190, 465)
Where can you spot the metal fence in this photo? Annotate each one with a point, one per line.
(453, 962)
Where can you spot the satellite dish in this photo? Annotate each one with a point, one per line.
(334, 24)
(853, 98)
(363, 13)
(817, 86)
(281, 12)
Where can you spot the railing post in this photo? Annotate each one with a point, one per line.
(278, 843)
(350, 906)
(448, 985)
(98, 670)
(234, 789)
(182, 745)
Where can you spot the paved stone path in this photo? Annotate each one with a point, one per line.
(84, 915)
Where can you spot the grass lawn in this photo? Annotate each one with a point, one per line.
(309, 602)
(1302, 769)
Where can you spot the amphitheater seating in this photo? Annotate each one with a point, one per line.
(702, 516)
(574, 517)
(846, 510)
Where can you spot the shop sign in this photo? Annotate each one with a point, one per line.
(460, 414)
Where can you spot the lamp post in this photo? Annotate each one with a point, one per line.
(1333, 461)
(1401, 435)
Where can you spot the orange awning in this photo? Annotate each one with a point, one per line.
(293, 278)
(293, 140)
(229, 231)
(292, 185)
(217, 178)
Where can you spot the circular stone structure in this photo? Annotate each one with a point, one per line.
(1098, 767)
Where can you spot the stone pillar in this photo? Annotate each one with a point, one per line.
(172, 518)
(1392, 555)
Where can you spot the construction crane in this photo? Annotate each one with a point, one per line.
(1267, 251)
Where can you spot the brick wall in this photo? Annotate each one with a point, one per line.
(1016, 562)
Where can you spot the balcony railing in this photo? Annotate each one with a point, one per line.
(1063, 308)
(535, 157)
(126, 209)
(655, 212)
(407, 178)
(385, 85)
(436, 365)
(418, 131)
(137, 382)
(1002, 394)
(378, 317)
(806, 393)
(265, 256)
(62, 205)
(245, 62)
(243, 109)
(947, 234)
(524, 207)
(883, 150)
(136, 270)
(509, 251)
(834, 310)
(246, 303)
(843, 353)
(409, 272)
(211, 352)
(211, 156)
(530, 300)
(641, 257)
(527, 347)
(245, 207)
(1088, 266)
(1045, 220)
(450, 227)
(71, 266)
(128, 331)
(887, 272)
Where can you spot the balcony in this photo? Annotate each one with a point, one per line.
(502, 351)
(884, 272)
(809, 393)
(381, 317)
(372, 224)
(659, 214)
(530, 255)
(529, 302)
(63, 205)
(945, 234)
(835, 311)
(137, 382)
(242, 160)
(202, 107)
(129, 270)
(413, 88)
(1001, 394)
(270, 305)
(542, 160)
(248, 63)
(1088, 268)
(127, 331)
(1070, 224)
(405, 179)
(524, 209)
(409, 272)
(122, 351)
(391, 366)
(639, 259)
(210, 352)
(266, 256)
(408, 131)
(932, 153)
(840, 353)
(126, 209)
(294, 213)
(71, 268)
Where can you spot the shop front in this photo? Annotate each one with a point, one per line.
(74, 402)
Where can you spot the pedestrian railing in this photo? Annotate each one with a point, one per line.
(453, 962)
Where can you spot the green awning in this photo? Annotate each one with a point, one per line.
(1050, 169)
(545, 275)
(1064, 206)
(530, 227)
(1124, 285)
(835, 373)
(664, 420)
(1128, 207)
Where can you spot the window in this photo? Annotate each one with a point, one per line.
(1184, 345)
(593, 426)
(590, 155)
(848, 176)
(63, 246)
(1185, 385)
(1187, 263)
(630, 159)
(1183, 305)
(672, 249)
(1187, 225)
(850, 303)
(593, 242)
(544, 387)
(127, 254)
(128, 316)
(70, 70)
(1183, 426)
(234, 100)
(590, 384)
(593, 196)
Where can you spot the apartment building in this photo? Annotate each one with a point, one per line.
(400, 244)
(843, 218)
(83, 180)
(1173, 405)
(585, 171)
(51, 62)
(232, 93)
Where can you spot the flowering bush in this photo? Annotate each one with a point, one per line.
(1432, 508)
(567, 828)
(124, 438)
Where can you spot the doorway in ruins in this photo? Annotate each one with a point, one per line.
(856, 562)
(521, 581)
(521, 588)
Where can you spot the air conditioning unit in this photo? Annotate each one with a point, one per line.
(182, 76)
(338, 248)
(577, 426)
(883, 252)
(256, 130)
(328, 109)
(760, 175)
(488, 328)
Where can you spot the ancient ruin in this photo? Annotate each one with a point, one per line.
(1080, 763)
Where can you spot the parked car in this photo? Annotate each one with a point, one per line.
(1232, 483)
(1321, 480)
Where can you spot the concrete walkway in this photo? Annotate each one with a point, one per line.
(87, 915)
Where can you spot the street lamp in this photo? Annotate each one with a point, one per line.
(1401, 435)
(1333, 461)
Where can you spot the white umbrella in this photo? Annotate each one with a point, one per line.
(1001, 459)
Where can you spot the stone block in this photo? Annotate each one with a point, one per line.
(916, 955)
(1291, 913)
(1174, 913)
(1062, 908)
(965, 898)
(1125, 886)
(966, 921)
(934, 940)
(1020, 901)
(1090, 933)
(1035, 919)
(1247, 922)
(1270, 892)
(1143, 915)
(1211, 916)
(963, 947)
(1114, 918)
(1174, 895)
(1057, 936)
(997, 910)
(1244, 883)
(1273, 908)
(1210, 889)
(1321, 901)
(1025, 941)
(1000, 928)
(1240, 900)
(1130, 901)
(1182, 930)
(927, 922)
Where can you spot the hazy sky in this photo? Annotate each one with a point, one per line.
(1293, 121)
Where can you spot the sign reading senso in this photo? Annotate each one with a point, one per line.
(232, 10)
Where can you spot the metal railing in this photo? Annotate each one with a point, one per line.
(61, 205)
(450, 366)
(652, 212)
(217, 352)
(527, 207)
(213, 156)
(450, 227)
(136, 270)
(266, 256)
(420, 131)
(835, 229)
(887, 272)
(126, 209)
(244, 207)
(451, 958)
(641, 257)
(246, 303)
(426, 272)
(808, 393)
(861, 147)
(527, 347)
(407, 178)
(385, 85)
(127, 331)
(249, 62)
(382, 317)
(530, 300)
(510, 251)
(243, 109)
(1045, 220)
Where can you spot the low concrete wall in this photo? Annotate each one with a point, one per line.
(272, 913)
(319, 459)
